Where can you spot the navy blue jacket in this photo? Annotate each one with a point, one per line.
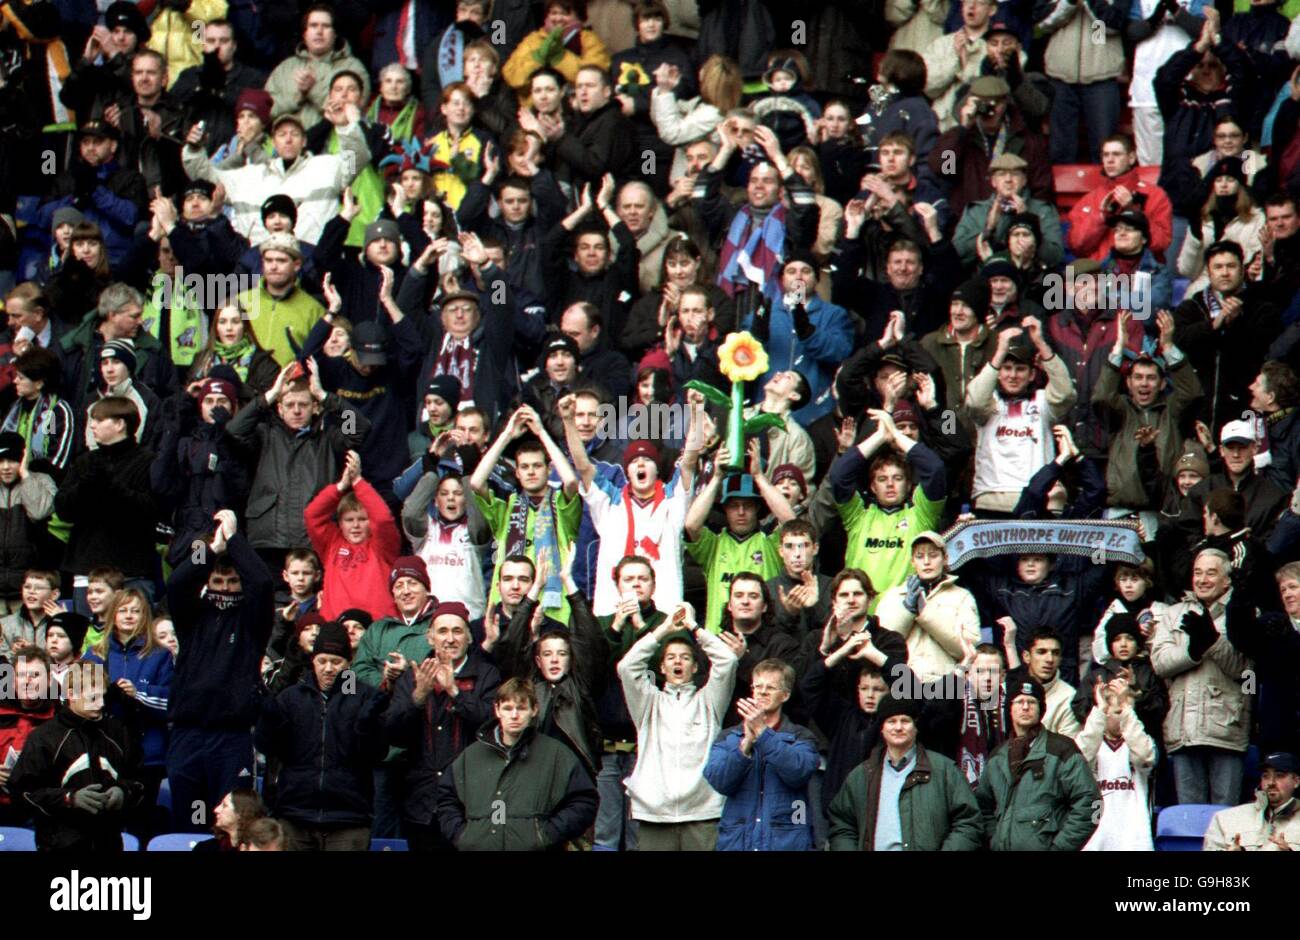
(217, 681)
(145, 716)
(328, 744)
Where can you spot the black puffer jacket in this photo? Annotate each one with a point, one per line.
(328, 744)
(436, 732)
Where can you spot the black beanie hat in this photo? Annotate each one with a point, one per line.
(1020, 682)
(1120, 624)
(74, 625)
(890, 706)
(332, 640)
(975, 294)
(282, 204)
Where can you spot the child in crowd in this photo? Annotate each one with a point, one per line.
(38, 602)
(359, 549)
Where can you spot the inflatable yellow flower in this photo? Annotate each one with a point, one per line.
(742, 358)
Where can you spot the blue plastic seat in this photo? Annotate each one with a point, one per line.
(1182, 828)
(176, 842)
(14, 839)
(165, 795)
(130, 843)
(388, 845)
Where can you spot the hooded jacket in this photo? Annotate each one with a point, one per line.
(933, 635)
(309, 107)
(547, 797)
(25, 509)
(327, 743)
(1044, 804)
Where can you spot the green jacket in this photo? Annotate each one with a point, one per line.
(531, 797)
(1051, 252)
(1050, 803)
(385, 636)
(280, 326)
(937, 810)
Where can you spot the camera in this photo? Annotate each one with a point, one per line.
(985, 108)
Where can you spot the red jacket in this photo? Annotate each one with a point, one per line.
(1091, 237)
(355, 575)
(16, 725)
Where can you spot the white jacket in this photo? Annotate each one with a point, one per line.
(1014, 438)
(1123, 775)
(1207, 706)
(1247, 821)
(1191, 259)
(314, 182)
(675, 727)
(680, 123)
(1100, 651)
(945, 74)
(934, 636)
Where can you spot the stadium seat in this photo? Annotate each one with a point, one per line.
(1180, 289)
(176, 842)
(388, 845)
(1250, 774)
(13, 839)
(130, 843)
(1182, 828)
(165, 795)
(1073, 181)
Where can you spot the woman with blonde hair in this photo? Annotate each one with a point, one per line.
(139, 679)
(1228, 213)
(681, 123)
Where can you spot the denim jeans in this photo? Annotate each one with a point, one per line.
(1098, 103)
(614, 829)
(1208, 775)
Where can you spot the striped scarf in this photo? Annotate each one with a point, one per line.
(758, 245)
(402, 126)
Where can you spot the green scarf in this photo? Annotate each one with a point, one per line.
(237, 355)
(368, 188)
(403, 126)
(186, 323)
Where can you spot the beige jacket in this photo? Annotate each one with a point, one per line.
(1248, 822)
(793, 445)
(933, 636)
(1074, 53)
(917, 28)
(1207, 706)
(1191, 259)
(945, 74)
(1060, 716)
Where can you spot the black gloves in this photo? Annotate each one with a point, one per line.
(761, 325)
(213, 76)
(84, 179)
(429, 463)
(1201, 633)
(803, 327)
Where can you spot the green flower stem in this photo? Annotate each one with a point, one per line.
(736, 426)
